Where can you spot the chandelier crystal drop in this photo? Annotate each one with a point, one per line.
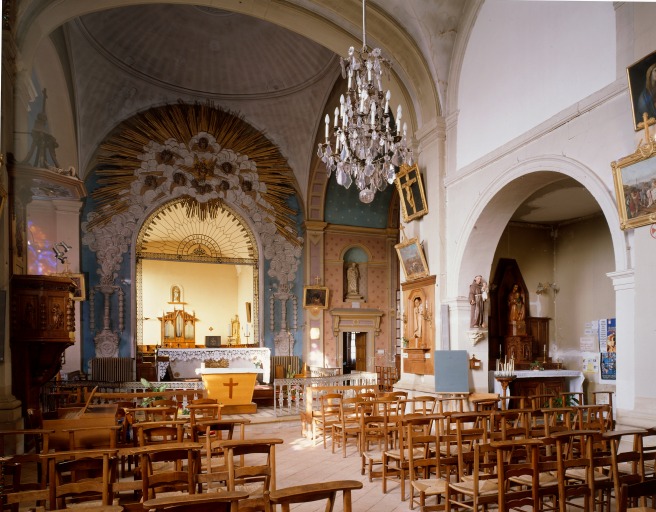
(368, 146)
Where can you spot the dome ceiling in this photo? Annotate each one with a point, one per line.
(204, 50)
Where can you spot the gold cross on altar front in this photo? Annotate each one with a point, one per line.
(230, 385)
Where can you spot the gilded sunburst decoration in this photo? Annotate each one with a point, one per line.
(200, 154)
(206, 161)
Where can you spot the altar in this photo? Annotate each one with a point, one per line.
(185, 361)
(232, 387)
(537, 382)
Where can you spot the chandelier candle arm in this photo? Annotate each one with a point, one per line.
(369, 144)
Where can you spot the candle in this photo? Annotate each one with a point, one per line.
(545, 350)
(336, 117)
(327, 123)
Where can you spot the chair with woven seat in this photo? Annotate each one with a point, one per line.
(395, 461)
(510, 469)
(432, 464)
(348, 425)
(481, 488)
(627, 467)
(256, 474)
(308, 493)
(574, 467)
(375, 438)
(329, 414)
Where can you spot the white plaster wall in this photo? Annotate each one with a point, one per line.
(211, 291)
(525, 62)
(645, 332)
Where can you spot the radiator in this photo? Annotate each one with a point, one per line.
(111, 369)
(285, 362)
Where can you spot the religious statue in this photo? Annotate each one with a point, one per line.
(352, 281)
(418, 312)
(516, 305)
(477, 298)
(175, 294)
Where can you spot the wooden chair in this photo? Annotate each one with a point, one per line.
(627, 467)
(481, 488)
(375, 438)
(470, 429)
(395, 462)
(312, 492)
(510, 468)
(643, 490)
(256, 474)
(179, 474)
(348, 425)
(81, 474)
(213, 502)
(214, 467)
(330, 412)
(162, 410)
(431, 472)
(574, 468)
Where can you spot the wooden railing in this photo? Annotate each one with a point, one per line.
(291, 396)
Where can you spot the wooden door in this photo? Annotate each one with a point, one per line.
(361, 351)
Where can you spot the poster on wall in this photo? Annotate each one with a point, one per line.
(607, 335)
(590, 362)
(608, 365)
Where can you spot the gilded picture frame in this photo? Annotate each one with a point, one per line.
(315, 297)
(635, 187)
(641, 76)
(411, 191)
(412, 259)
(80, 292)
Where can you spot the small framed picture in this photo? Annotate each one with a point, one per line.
(642, 88)
(411, 191)
(80, 292)
(412, 259)
(315, 297)
(635, 187)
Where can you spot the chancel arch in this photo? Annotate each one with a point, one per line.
(214, 261)
(195, 164)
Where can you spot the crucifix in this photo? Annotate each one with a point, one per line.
(409, 196)
(230, 385)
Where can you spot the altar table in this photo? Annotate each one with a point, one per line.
(574, 379)
(230, 386)
(185, 361)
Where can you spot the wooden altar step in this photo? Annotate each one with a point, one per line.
(227, 410)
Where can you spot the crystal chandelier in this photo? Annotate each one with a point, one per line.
(368, 147)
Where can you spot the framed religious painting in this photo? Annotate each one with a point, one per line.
(80, 292)
(642, 88)
(412, 259)
(635, 186)
(411, 191)
(315, 297)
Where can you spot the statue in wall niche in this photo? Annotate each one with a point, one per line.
(477, 298)
(353, 282)
(516, 305)
(418, 312)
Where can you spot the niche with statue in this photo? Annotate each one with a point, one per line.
(419, 326)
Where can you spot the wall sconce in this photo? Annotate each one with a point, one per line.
(315, 333)
(545, 287)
